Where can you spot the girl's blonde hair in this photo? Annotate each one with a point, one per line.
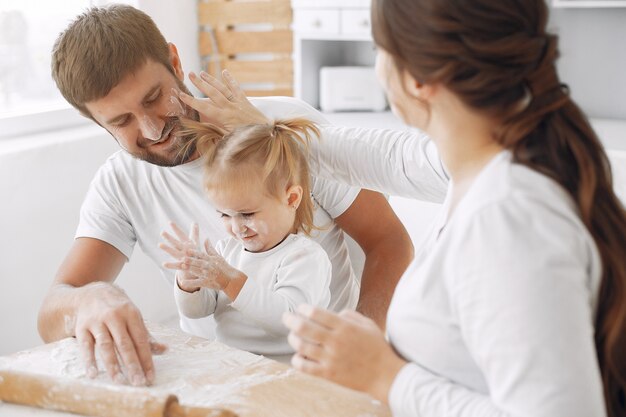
(274, 154)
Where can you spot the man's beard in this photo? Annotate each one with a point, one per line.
(181, 147)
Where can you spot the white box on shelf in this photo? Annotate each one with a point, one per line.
(350, 89)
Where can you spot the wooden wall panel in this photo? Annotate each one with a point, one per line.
(231, 30)
(278, 71)
(231, 42)
(226, 13)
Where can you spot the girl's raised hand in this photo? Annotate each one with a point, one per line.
(196, 268)
(177, 248)
(208, 267)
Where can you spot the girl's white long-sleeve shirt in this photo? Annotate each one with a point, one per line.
(297, 271)
(496, 313)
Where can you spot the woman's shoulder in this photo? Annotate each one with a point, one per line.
(506, 185)
(521, 217)
(519, 207)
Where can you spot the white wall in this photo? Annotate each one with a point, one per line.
(593, 58)
(42, 184)
(41, 188)
(178, 23)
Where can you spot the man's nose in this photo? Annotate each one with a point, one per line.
(151, 127)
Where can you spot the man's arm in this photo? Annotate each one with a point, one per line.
(401, 163)
(371, 222)
(83, 302)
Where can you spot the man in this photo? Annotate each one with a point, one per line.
(115, 67)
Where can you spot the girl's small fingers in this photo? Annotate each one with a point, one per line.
(182, 236)
(200, 271)
(198, 262)
(177, 244)
(208, 248)
(179, 266)
(171, 251)
(194, 231)
(197, 254)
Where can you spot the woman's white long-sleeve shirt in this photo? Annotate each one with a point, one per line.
(496, 313)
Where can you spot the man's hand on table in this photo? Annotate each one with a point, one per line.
(107, 322)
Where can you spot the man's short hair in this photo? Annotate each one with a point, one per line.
(100, 47)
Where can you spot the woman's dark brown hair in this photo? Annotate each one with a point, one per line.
(497, 57)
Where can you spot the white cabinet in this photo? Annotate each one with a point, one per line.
(356, 22)
(328, 33)
(316, 21)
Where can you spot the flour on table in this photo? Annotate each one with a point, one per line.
(210, 374)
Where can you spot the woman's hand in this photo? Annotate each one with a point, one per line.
(226, 105)
(197, 268)
(347, 348)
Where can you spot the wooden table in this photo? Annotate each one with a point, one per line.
(200, 373)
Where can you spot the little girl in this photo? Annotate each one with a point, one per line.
(257, 178)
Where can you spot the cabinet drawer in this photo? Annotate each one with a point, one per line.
(316, 21)
(356, 21)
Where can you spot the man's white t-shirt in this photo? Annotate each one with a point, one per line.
(131, 201)
(295, 272)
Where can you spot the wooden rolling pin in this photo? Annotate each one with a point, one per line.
(75, 396)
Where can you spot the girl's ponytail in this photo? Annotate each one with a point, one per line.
(278, 150)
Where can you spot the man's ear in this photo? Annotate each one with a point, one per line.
(175, 61)
(294, 196)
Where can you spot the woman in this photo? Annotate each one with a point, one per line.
(516, 306)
